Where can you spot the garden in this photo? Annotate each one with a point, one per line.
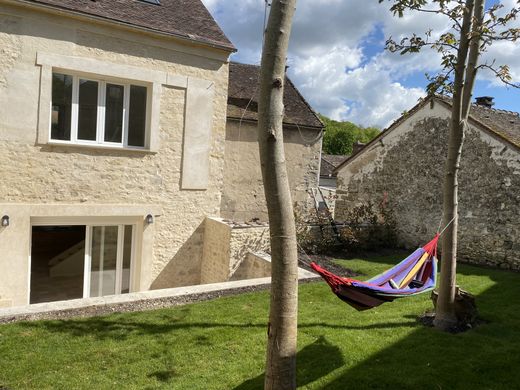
(220, 344)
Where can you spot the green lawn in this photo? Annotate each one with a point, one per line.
(220, 344)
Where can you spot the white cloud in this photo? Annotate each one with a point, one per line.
(332, 57)
(503, 52)
(366, 95)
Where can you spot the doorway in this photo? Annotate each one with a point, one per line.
(80, 261)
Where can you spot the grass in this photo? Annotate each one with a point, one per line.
(221, 344)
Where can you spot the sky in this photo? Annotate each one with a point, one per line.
(338, 62)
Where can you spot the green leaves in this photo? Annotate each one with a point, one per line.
(340, 137)
(494, 27)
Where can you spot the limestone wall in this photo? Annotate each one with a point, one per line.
(247, 238)
(405, 170)
(85, 178)
(216, 252)
(226, 247)
(243, 193)
(255, 265)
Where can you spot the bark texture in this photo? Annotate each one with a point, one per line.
(465, 73)
(280, 370)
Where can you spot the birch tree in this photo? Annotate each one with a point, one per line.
(473, 29)
(280, 372)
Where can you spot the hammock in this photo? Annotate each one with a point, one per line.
(414, 275)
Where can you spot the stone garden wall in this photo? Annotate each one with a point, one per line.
(227, 245)
(403, 173)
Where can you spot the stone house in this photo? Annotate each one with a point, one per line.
(243, 193)
(328, 174)
(113, 143)
(402, 170)
(112, 138)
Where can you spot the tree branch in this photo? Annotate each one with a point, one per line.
(501, 74)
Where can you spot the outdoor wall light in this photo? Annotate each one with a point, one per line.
(5, 220)
(149, 219)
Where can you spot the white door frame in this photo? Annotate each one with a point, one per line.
(89, 222)
(87, 274)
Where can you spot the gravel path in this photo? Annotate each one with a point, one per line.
(159, 303)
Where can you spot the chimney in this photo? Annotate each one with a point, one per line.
(485, 101)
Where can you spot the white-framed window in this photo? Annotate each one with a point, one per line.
(93, 111)
(198, 110)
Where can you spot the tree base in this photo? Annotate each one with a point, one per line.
(465, 313)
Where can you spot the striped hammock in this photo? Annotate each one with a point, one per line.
(414, 275)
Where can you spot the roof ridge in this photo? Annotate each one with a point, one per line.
(473, 104)
(495, 109)
(243, 63)
(447, 102)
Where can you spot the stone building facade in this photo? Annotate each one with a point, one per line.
(138, 203)
(243, 192)
(403, 169)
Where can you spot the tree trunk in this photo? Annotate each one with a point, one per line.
(473, 56)
(280, 372)
(465, 72)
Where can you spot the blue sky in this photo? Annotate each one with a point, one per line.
(337, 57)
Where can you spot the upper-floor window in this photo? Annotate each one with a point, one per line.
(98, 112)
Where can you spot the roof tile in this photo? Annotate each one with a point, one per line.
(184, 18)
(329, 162)
(243, 98)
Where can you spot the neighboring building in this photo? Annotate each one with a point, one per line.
(328, 176)
(112, 137)
(325, 194)
(403, 169)
(243, 192)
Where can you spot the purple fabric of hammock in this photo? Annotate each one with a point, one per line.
(414, 275)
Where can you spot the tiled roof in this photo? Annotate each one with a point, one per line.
(243, 93)
(188, 19)
(329, 162)
(505, 124)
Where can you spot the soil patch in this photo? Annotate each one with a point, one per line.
(427, 318)
(326, 262)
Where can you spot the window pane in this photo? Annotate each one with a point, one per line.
(88, 105)
(137, 116)
(114, 113)
(103, 261)
(61, 106)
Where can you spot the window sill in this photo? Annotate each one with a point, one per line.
(122, 149)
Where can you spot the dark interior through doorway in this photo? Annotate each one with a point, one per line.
(57, 263)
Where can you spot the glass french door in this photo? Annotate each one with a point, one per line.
(108, 259)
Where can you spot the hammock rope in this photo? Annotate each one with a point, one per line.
(445, 227)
